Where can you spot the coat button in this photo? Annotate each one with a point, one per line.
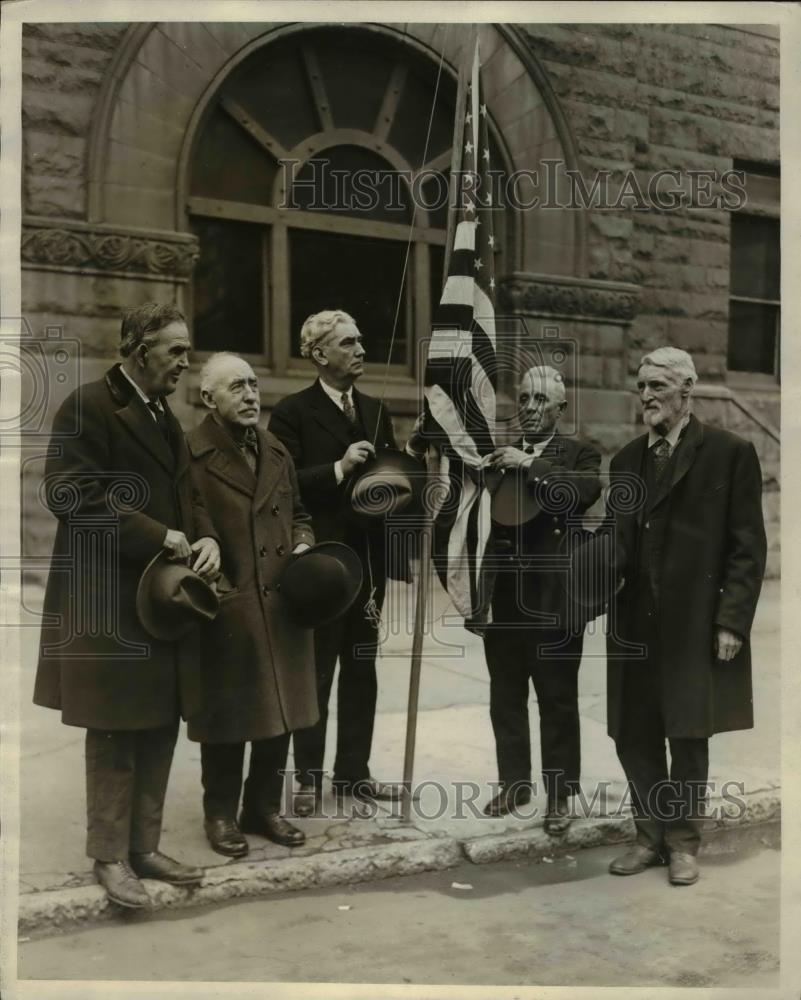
(265, 589)
(262, 551)
(647, 525)
(556, 531)
(280, 549)
(275, 509)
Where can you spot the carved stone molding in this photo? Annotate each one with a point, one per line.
(65, 245)
(568, 298)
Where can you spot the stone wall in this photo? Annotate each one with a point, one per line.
(649, 97)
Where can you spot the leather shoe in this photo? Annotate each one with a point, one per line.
(508, 799)
(121, 884)
(683, 868)
(226, 838)
(156, 865)
(306, 799)
(635, 860)
(273, 827)
(557, 818)
(368, 789)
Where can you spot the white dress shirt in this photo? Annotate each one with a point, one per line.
(145, 399)
(335, 395)
(536, 448)
(672, 436)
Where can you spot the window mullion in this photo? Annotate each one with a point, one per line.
(277, 333)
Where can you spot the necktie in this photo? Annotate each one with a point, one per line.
(347, 408)
(250, 448)
(161, 419)
(661, 453)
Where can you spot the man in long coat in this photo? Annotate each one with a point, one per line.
(691, 557)
(256, 671)
(330, 429)
(118, 481)
(537, 631)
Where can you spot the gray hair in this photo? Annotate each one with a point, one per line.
(142, 324)
(675, 360)
(547, 375)
(318, 326)
(208, 373)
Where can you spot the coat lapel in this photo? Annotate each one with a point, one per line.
(227, 462)
(329, 416)
(135, 416)
(685, 456)
(271, 461)
(370, 412)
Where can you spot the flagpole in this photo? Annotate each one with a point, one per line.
(426, 537)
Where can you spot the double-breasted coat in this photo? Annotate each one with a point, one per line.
(116, 485)
(710, 575)
(256, 672)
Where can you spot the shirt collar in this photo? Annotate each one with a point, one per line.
(672, 436)
(336, 394)
(539, 446)
(145, 399)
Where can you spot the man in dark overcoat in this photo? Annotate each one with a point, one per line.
(330, 429)
(690, 558)
(118, 481)
(256, 671)
(537, 630)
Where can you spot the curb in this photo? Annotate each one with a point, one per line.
(62, 909)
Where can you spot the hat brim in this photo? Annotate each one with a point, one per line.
(513, 503)
(354, 573)
(153, 622)
(385, 485)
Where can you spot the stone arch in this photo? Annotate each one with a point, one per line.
(164, 74)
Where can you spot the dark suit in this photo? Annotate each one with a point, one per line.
(692, 555)
(116, 485)
(317, 434)
(537, 629)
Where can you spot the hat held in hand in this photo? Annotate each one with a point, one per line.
(321, 583)
(172, 599)
(387, 484)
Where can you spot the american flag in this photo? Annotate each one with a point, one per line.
(460, 377)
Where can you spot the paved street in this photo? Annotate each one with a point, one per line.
(565, 923)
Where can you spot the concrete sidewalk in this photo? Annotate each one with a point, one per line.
(454, 771)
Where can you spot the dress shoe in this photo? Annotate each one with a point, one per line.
(368, 789)
(121, 884)
(557, 818)
(508, 799)
(306, 799)
(635, 860)
(156, 865)
(273, 827)
(226, 838)
(683, 868)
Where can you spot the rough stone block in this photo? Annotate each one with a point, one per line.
(54, 155)
(64, 114)
(60, 196)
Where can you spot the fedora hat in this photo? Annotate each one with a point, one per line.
(321, 583)
(514, 501)
(172, 599)
(387, 484)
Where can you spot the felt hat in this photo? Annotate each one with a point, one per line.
(172, 599)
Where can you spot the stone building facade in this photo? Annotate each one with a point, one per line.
(152, 171)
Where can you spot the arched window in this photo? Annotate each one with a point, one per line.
(302, 187)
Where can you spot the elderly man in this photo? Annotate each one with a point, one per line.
(691, 559)
(119, 483)
(257, 679)
(536, 632)
(330, 429)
